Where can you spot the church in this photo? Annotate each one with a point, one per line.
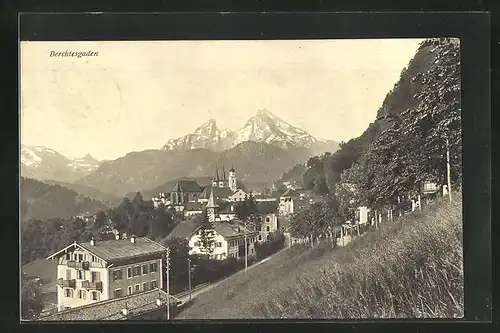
(223, 187)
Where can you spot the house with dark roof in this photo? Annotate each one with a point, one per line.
(228, 236)
(94, 271)
(145, 305)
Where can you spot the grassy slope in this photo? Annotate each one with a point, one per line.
(412, 268)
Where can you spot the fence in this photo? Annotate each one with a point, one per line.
(347, 232)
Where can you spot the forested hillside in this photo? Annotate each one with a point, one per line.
(407, 142)
(42, 201)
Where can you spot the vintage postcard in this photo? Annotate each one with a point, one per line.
(241, 179)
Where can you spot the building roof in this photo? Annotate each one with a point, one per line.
(212, 203)
(228, 229)
(184, 229)
(117, 249)
(219, 192)
(136, 304)
(291, 193)
(267, 207)
(186, 186)
(194, 206)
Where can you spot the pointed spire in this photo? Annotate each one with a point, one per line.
(223, 172)
(232, 168)
(211, 200)
(216, 173)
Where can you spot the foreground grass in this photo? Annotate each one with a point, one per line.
(412, 268)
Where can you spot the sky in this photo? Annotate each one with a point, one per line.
(134, 95)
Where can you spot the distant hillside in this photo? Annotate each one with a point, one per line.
(42, 201)
(90, 192)
(254, 163)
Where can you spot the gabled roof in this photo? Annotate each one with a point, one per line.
(184, 229)
(117, 249)
(219, 192)
(267, 207)
(230, 229)
(186, 186)
(291, 193)
(136, 304)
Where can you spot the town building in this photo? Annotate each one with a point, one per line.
(228, 237)
(293, 201)
(268, 212)
(146, 305)
(237, 196)
(94, 271)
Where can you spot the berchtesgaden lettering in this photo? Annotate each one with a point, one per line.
(73, 54)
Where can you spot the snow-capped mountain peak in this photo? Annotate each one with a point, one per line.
(262, 127)
(43, 163)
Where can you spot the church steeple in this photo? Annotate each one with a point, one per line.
(212, 207)
(223, 172)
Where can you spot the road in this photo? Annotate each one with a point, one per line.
(196, 293)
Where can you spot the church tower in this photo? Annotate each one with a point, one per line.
(222, 182)
(215, 181)
(212, 207)
(232, 179)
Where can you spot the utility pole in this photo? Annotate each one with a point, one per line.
(189, 275)
(167, 264)
(246, 250)
(448, 169)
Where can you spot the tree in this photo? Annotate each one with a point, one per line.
(100, 220)
(31, 298)
(179, 254)
(207, 233)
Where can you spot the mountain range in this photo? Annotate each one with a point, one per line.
(43, 164)
(260, 152)
(263, 127)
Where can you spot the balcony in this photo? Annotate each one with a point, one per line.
(81, 265)
(66, 283)
(92, 285)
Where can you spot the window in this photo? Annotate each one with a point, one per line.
(144, 269)
(96, 276)
(218, 244)
(80, 275)
(144, 286)
(95, 295)
(129, 272)
(117, 274)
(153, 267)
(68, 256)
(80, 257)
(137, 270)
(129, 290)
(251, 251)
(137, 288)
(82, 294)
(268, 219)
(94, 258)
(260, 237)
(68, 274)
(153, 284)
(267, 228)
(68, 293)
(75, 257)
(118, 293)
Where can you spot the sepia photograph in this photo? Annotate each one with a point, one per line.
(241, 179)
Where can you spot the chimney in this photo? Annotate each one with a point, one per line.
(92, 241)
(117, 236)
(132, 239)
